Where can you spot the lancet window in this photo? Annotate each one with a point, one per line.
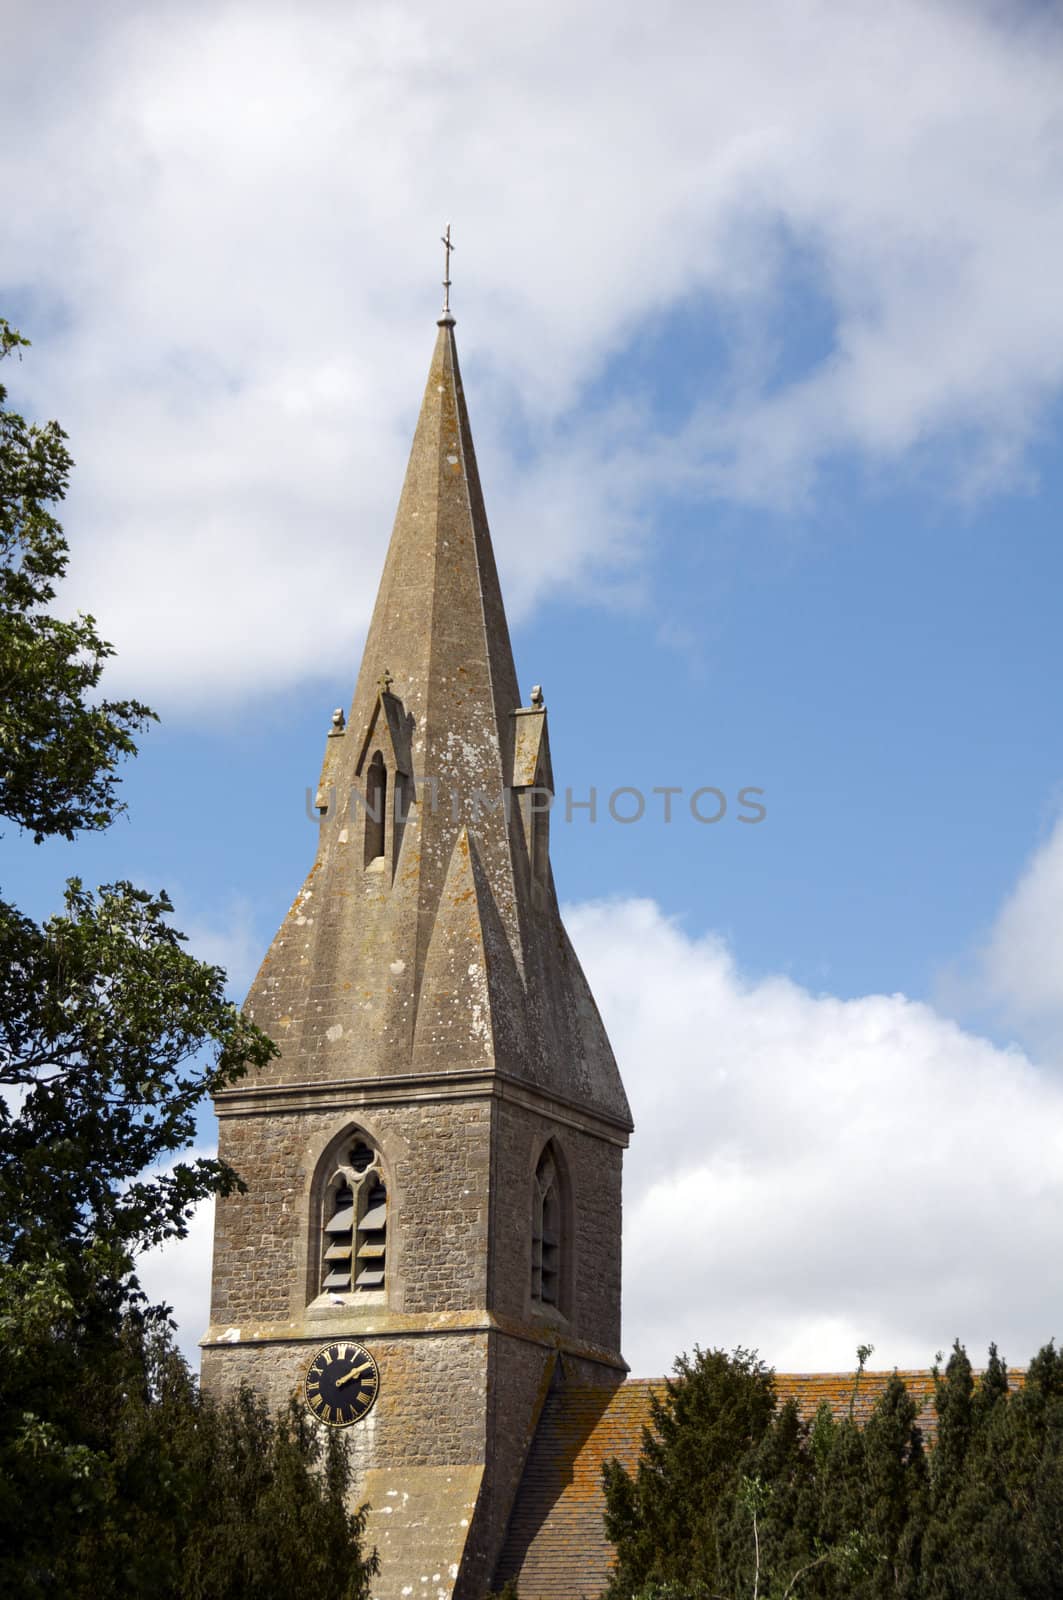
(376, 808)
(547, 1229)
(354, 1235)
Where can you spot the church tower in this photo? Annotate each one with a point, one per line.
(429, 1241)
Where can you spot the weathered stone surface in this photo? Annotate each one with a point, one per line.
(420, 1521)
(423, 992)
(341, 987)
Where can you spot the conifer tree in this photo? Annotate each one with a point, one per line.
(896, 1477)
(769, 1533)
(1031, 1473)
(663, 1519)
(837, 1511)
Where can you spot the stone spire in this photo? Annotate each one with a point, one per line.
(433, 1019)
(428, 939)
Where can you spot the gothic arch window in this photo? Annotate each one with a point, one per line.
(548, 1231)
(354, 1222)
(376, 808)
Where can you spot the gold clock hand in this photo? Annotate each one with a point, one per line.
(354, 1373)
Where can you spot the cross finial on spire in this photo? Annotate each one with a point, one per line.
(448, 247)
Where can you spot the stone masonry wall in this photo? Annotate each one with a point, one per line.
(591, 1272)
(431, 1406)
(450, 1396)
(437, 1160)
(518, 1382)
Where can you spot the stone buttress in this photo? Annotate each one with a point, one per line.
(440, 1047)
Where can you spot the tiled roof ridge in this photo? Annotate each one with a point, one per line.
(868, 1372)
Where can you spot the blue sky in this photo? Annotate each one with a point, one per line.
(761, 336)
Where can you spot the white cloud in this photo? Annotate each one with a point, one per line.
(177, 1274)
(223, 217)
(1022, 962)
(808, 1173)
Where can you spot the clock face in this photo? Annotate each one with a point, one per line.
(341, 1384)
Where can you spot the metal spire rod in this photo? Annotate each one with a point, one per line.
(445, 241)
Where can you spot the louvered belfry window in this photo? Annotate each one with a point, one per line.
(354, 1254)
(546, 1232)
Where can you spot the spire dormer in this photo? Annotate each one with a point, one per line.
(383, 780)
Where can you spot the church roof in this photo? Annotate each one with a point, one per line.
(440, 947)
(556, 1547)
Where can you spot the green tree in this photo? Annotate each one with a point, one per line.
(837, 1511)
(184, 1500)
(663, 1519)
(115, 1476)
(1025, 1457)
(110, 1034)
(104, 1017)
(59, 750)
(895, 1475)
(770, 1535)
(841, 1510)
(964, 1504)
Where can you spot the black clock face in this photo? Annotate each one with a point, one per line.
(341, 1384)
